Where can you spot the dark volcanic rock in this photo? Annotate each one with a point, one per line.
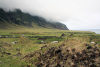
(85, 58)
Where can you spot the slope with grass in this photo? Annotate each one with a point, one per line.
(19, 18)
(25, 41)
(28, 47)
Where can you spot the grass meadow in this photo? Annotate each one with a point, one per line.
(15, 44)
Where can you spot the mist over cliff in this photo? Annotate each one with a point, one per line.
(25, 19)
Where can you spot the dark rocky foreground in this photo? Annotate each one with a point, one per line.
(66, 57)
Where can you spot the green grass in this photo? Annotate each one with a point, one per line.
(31, 42)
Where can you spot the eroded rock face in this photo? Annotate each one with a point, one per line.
(59, 57)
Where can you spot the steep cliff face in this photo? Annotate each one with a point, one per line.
(20, 18)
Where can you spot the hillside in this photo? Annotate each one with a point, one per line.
(19, 18)
(32, 41)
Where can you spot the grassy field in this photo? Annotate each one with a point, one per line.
(17, 43)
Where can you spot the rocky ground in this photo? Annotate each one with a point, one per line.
(63, 56)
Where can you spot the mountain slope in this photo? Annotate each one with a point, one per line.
(18, 17)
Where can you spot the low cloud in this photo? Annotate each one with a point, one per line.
(76, 14)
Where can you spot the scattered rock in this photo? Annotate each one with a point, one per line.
(0, 36)
(62, 35)
(92, 42)
(59, 57)
(6, 53)
(54, 42)
(15, 42)
(42, 42)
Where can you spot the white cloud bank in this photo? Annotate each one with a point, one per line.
(76, 14)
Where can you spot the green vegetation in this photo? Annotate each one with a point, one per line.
(32, 41)
(18, 18)
(17, 45)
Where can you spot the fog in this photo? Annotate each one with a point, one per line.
(76, 14)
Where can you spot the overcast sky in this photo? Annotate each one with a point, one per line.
(76, 14)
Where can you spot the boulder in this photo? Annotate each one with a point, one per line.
(53, 42)
(92, 42)
(14, 42)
